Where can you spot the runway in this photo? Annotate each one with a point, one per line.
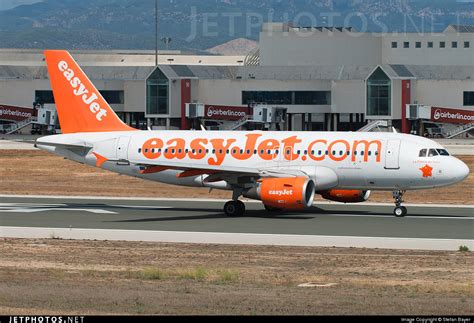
(202, 221)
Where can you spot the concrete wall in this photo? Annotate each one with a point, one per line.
(17, 92)
(135, 96)
(448, 94)
(396, 99)
(348, 96)
(425, 55)
(280, 45)
(296, 48)
(175, 98)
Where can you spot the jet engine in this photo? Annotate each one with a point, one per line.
(346, 196)
(284, 193)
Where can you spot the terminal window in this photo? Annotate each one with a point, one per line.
(287, 97)
(312, 97)
(379, 88)
(44, 97)
(467, 44)
(430, 44)
(394, 44)
(113, 97)
(269, 97)
(469, 98)
(454, 44)
(157, 93)
(406, 44)
(442, 44)
(418, 44)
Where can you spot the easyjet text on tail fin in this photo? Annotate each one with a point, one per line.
(80, 106)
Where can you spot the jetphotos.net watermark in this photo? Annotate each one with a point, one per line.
(215, 24)
(45, 319)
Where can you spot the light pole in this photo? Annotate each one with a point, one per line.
(156, 33)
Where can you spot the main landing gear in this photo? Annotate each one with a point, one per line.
(234, 208)
(399, 211)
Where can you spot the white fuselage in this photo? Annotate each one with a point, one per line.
(351, 160)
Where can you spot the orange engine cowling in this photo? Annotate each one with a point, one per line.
(346, 196)
(284, 193)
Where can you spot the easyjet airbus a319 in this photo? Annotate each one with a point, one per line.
(284, 170)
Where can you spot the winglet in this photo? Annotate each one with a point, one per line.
(80, 106)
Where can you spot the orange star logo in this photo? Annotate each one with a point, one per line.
(427, 171)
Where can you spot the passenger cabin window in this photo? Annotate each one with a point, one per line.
(423, 152)
(442, 152)
(432, 153)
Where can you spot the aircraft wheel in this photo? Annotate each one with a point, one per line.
(400, 211)
(234, 208)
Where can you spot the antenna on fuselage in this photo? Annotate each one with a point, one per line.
(203, 128)
(394, 130)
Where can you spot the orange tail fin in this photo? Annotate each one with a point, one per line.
(80, 106)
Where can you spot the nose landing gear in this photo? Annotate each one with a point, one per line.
(399, 211)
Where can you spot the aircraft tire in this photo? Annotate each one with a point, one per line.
(234, 208)
(400, 211)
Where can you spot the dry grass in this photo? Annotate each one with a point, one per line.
(92, 277)
(39, 173)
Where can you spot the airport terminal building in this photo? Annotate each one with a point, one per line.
(322, 78)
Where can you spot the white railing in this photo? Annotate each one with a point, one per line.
(459, 130)
(20, 125)
(238, 123)
(373, 125)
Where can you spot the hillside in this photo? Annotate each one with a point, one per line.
(198, 24)
(240, 46)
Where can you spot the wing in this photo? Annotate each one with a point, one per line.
(234, 175)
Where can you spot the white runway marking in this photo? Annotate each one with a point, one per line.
(34, 208)
(142, 207)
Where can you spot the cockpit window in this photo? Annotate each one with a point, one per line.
(442, 152)
(432, 153)
(423, 152)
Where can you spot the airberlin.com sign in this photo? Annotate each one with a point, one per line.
(220, 112)
(11, 113)
(451, 115)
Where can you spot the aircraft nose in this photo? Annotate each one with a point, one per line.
(461, 170)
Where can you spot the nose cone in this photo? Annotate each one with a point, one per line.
(460, 170)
